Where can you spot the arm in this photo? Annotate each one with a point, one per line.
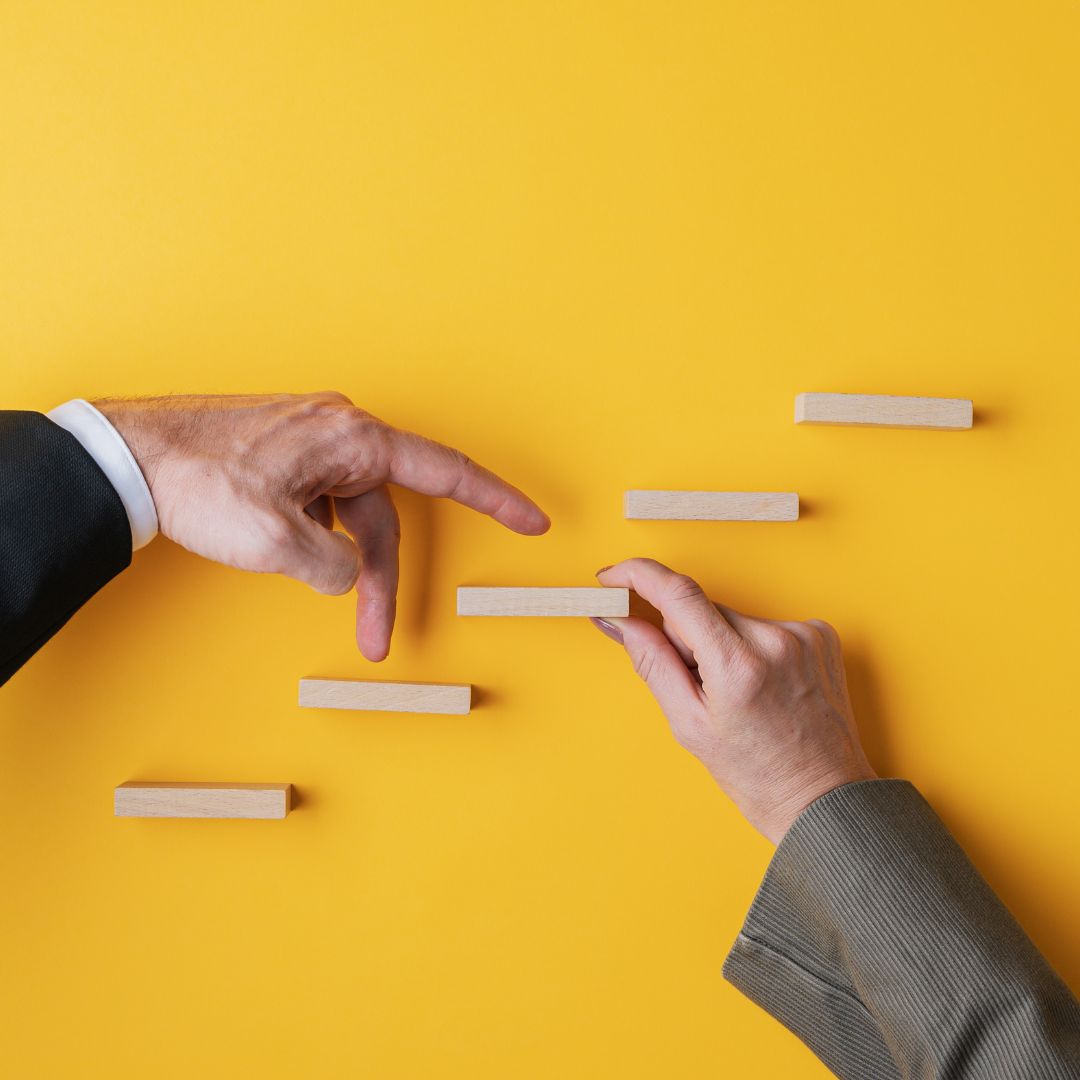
(253, 482)
(871, 912)
(64, 533)
(872, 937)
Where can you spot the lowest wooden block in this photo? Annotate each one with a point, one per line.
(161, 798)
(598, 602)
(447, 698)
(712, 505)
(883, 410)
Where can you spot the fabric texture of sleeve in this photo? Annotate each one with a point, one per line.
(875, 940)
(64, 533)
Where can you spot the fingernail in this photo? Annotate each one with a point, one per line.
(602, 569)
(609, 629)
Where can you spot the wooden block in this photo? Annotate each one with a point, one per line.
(881, 410)
(386, 696)
(712, 505)
(599, 602)
(161, 798)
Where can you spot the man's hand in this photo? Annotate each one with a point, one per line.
(253, 482)
(762, 704)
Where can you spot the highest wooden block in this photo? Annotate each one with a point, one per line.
(598, 602)
(162, 798)
(883, 410)
(449, 699)
(712, 505)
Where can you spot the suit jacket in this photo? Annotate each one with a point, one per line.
(875, 940)
(63, 533)
(872, 937)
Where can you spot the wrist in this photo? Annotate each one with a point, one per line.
(132, 421)
(787, 807)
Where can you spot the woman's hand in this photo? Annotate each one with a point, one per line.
(253, 482)
(762, 704)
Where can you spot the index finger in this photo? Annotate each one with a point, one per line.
(680, 599)
(430, 468)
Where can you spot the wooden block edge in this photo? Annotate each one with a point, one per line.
(285, 789)
(732, 520)
(621, 590)
(307, 679)
(801, 418)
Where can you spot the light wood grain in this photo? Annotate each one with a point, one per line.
(712, 505)
(447, 698)
(883, 410)
(161, 798)
(598, 602)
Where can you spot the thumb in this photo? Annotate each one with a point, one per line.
(328, 561)
(658, 662)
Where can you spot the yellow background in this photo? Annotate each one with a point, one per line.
(598, 246)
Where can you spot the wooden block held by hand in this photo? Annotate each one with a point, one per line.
(712, 505)
(161, 798)
(447, 698)
(883, 410)
(598, 602)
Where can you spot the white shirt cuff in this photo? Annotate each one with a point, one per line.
(104, 444)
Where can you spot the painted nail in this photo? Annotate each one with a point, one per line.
(602, 569)
(609, 629)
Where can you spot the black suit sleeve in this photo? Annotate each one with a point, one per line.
(63, 533)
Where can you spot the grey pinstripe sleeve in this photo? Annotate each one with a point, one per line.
(875, 940)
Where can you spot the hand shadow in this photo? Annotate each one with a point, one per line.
(417, 514)
(871, 714)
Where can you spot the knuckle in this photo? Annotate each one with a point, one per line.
(645, 662)
(461, 460)
(826, 630)
(365, 429)
(315, 409)
(746, 677)
(778, 642)
(681, 588)
(331, 397)
(372, 439)
(462, 468)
